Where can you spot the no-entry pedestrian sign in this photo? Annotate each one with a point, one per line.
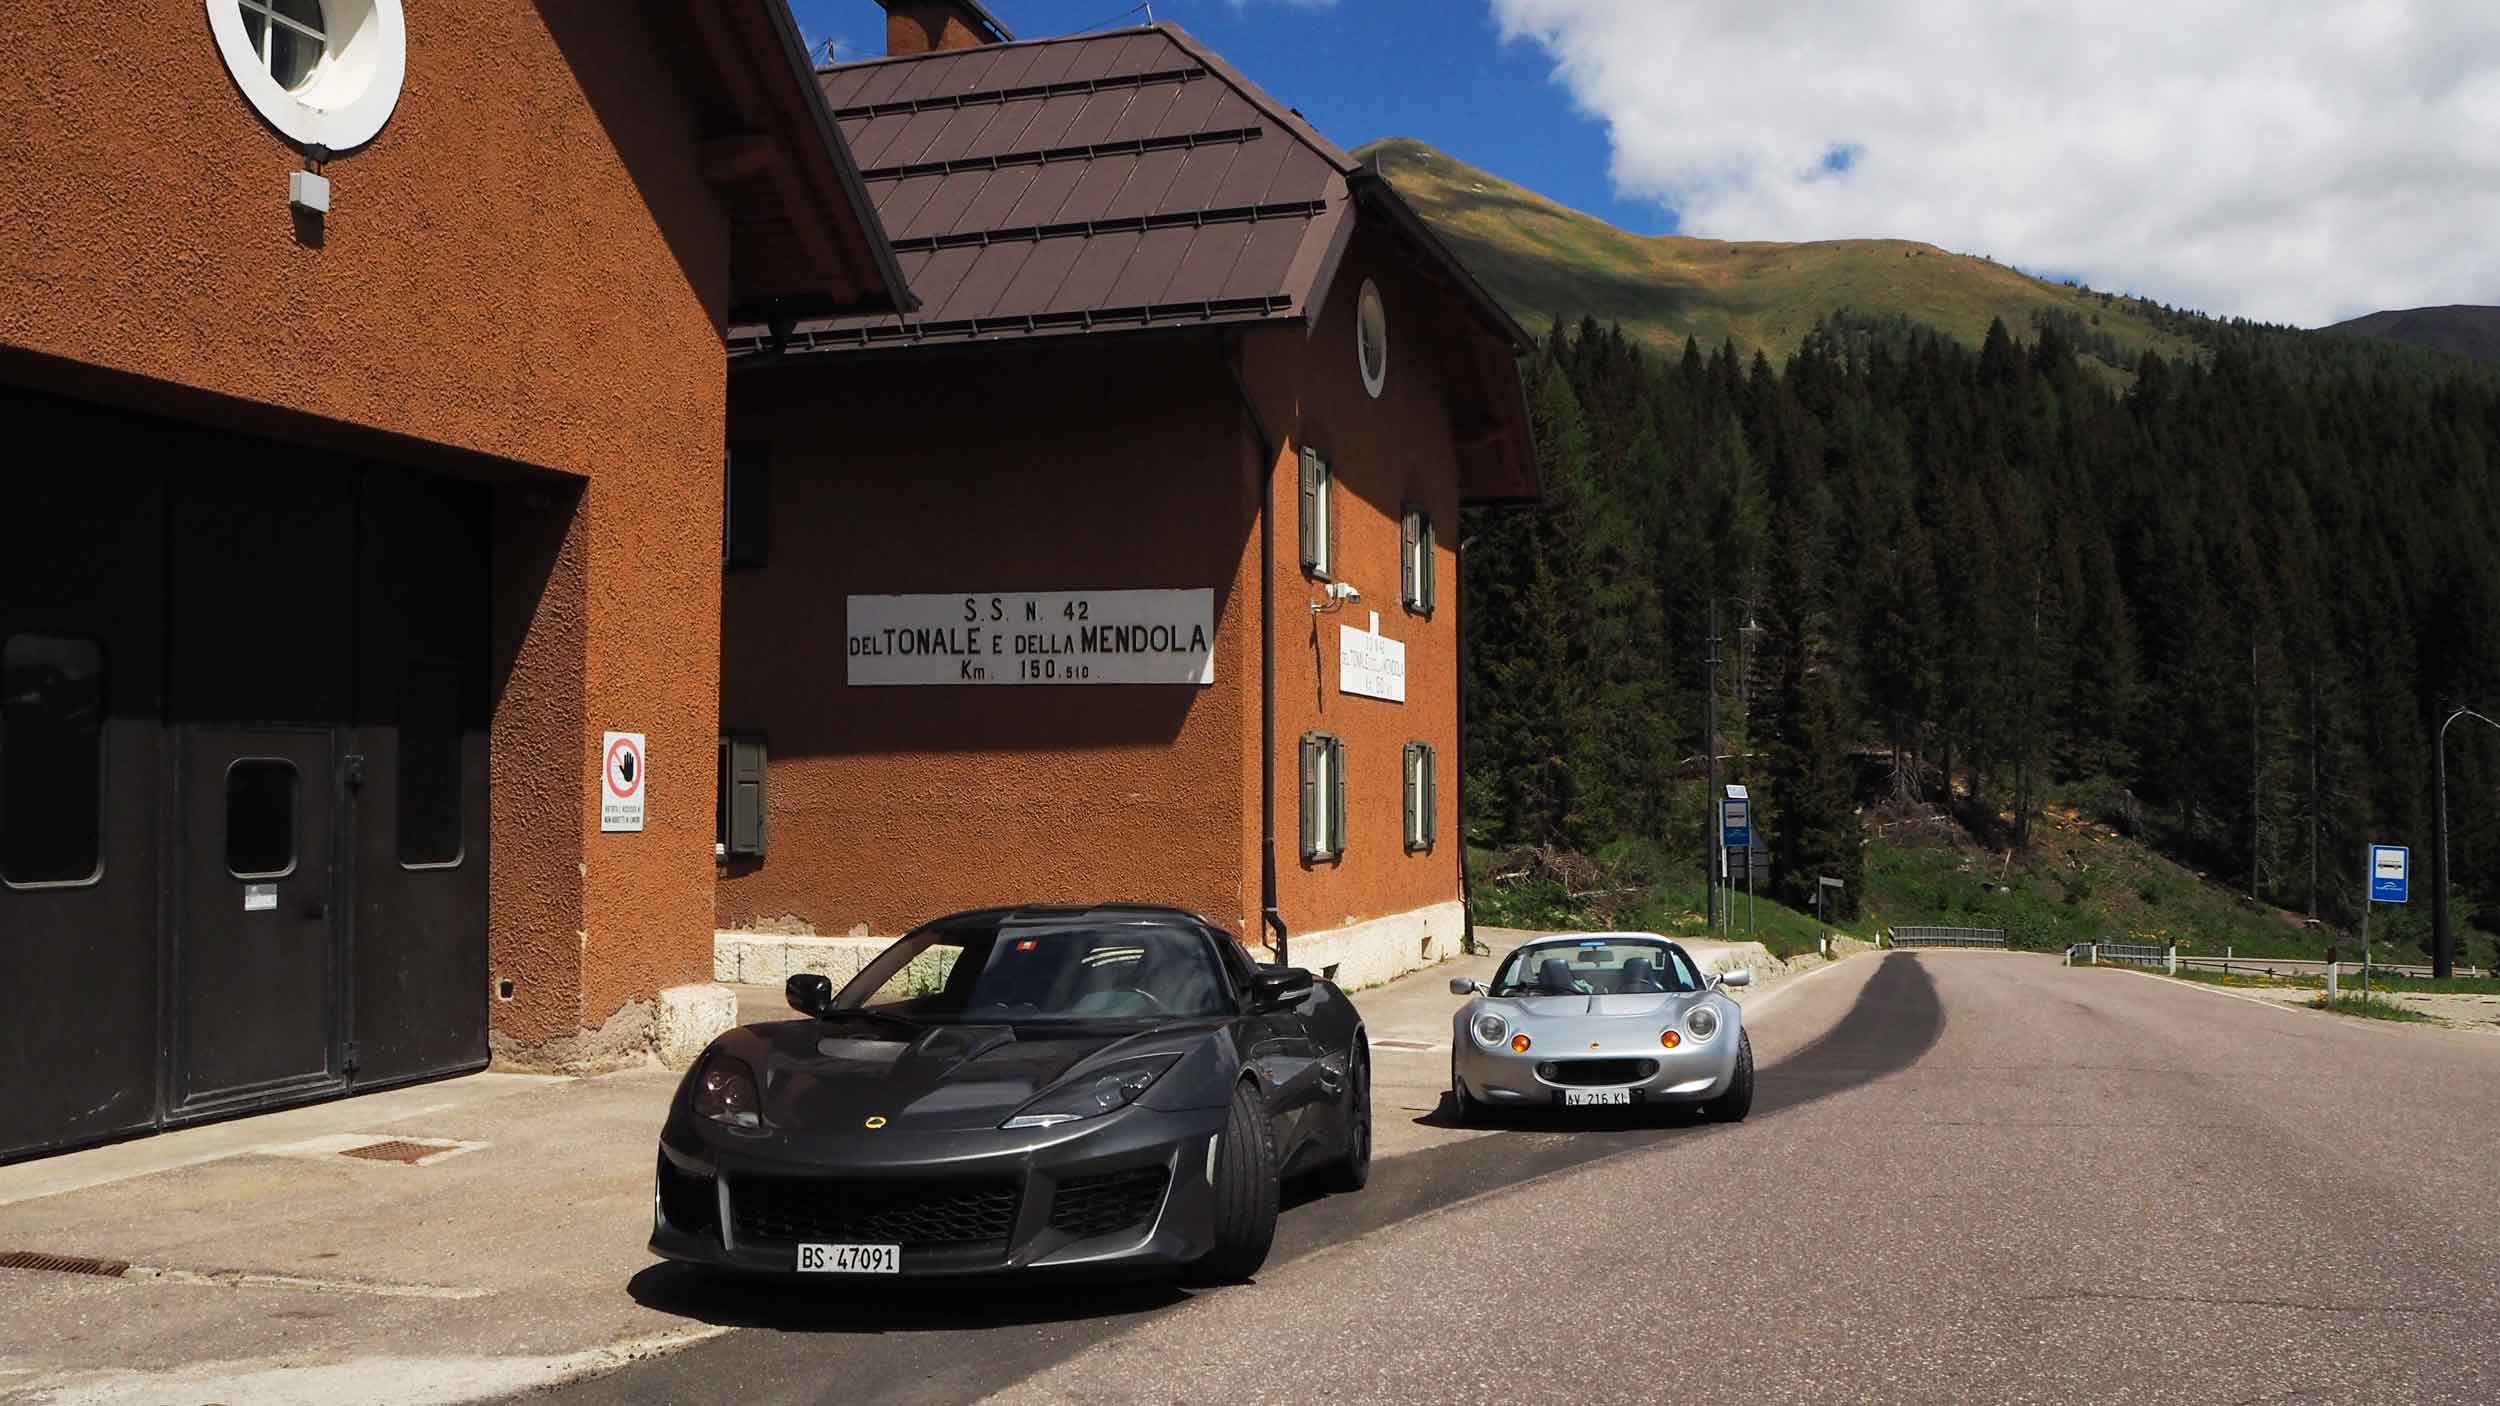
(623, 781)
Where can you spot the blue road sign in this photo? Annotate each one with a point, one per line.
(1735, 824)
(2390, 873)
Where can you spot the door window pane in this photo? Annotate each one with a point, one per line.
(429, 767)
(260, 818)
(51, 760)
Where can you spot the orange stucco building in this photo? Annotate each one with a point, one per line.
(1180, 363)
(364, 383)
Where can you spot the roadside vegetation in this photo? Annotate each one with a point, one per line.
(1625, 888)
(2367, 1007)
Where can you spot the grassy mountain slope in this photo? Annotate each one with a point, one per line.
(2458, 330)
(1543, 260)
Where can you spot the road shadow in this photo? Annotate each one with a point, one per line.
(907, 1343)
(730, 1300)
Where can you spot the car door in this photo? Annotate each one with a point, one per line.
(1278, 1049)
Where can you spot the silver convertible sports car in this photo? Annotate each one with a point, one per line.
(1601, 1018)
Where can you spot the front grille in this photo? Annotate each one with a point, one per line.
(906, 1213)
(1099, 1205)
(1596, 1072)
(687, 1200)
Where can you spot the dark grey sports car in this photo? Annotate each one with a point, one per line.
(1020, 1089)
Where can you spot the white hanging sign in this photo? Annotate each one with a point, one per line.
(1029, 637)
(1370, 663)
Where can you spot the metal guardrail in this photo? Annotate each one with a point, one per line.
(2306, 966)
(1945, 937)
(2144, 953)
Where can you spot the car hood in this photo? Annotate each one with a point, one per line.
(818, 1077)
(1604, 1023)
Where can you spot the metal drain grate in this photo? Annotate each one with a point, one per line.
(396, 1150)
(62, 1264)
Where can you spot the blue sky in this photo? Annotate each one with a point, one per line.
(1435, 70)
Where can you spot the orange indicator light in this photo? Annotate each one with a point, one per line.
(1670, 1039)
(1518, 1044)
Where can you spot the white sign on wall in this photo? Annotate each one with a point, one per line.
(1370, 663)
(623, 781)
(1012, 637)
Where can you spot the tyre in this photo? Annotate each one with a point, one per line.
(1245, 1194)
(1732, 1106)
(1468, 1109)
(1355, 1168)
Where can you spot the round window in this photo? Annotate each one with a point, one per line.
(325, 73)
(1371, 339)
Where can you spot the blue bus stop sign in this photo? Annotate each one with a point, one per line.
(2390, 873)
(1735, 824)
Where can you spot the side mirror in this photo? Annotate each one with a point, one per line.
(1741, 976)
(1275, 988)
(809, 994)
(1465, 986)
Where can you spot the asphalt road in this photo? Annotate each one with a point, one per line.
(1968, 1177)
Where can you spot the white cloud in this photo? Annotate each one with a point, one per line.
(2290, 160)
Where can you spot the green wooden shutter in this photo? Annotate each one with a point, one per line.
(745, 798)
(1337, 832)
(1410, 579)
(1410, 786)
(1310, 510)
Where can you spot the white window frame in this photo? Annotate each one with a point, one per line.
(1319, 514)
(1323, 797)
(352, 89)
(1368, 308)
(1422, 777)
(1417, 543)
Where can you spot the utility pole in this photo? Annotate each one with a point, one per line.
(2443, 941)
(2256, 782)
(1710, 754)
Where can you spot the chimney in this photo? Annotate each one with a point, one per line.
(919, 26)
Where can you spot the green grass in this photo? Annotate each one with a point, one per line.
(1542, 259)
(2371, 1007)
(2079, 881)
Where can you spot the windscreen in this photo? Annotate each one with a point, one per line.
(1012, 974)
(1596, 967)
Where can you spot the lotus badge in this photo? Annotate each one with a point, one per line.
(876, 1122)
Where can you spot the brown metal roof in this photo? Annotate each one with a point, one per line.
(1117, 180)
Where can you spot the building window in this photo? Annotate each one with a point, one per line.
(739, 828)
(289, 37)
(1319, 514)
(51, 761)
(1323, 796)
(1415, 552)
(745, 527)
(429, 780)
(261, 795)
(325, 73)
(1423, 795)
(1371, 340)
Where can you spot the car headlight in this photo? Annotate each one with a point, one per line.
(1490, 1028)
(1092, 1095)
(1702, 1021)
(724, 1091)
